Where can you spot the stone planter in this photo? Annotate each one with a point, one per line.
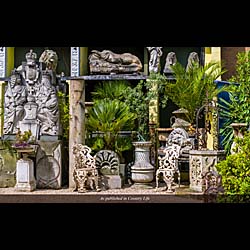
(201, 162)
(142, 172)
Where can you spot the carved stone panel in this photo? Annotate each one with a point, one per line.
(201, 162)
(107, 162)
(49, 165)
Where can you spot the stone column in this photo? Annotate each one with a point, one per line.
(154, 122)
(77, 120)
(2, 88)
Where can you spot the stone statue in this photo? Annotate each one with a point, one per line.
(154, 61)
(193, 58)
(14, 99)
(31, 97)
(50, 59)
(107, 62)
(30, 69)
(171, 60)
(48, 113)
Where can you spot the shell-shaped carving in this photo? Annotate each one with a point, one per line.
(107, 161)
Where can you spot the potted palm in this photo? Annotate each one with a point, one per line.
(193, 89)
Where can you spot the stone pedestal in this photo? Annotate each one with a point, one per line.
(25, 180)
(49, 165)
(200, 162)
(142, 172)
(112, 181)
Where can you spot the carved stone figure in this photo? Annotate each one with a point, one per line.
(193, 58)
(154, 60)
(171, 60)
(107, 62)
(30, 69)
(31, 97)
(50, 59)
(14, 99)
(48, 113)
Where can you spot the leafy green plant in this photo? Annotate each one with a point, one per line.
(23, 139)
(237, 109)
(108, 117)
(193, 88)
(63, 106)
(235, 172)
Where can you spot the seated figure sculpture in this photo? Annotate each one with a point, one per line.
(14, 99)
(106, 62)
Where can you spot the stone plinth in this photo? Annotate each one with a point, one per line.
(112, 181)
(200, 162)
(25, 180)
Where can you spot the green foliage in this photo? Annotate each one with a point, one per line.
(113, 90)
(193, 88)
(138, 99)
(235, 172)
(238, 108)
(63, 106)
(6, 144)
(108, 116)
(23, 137)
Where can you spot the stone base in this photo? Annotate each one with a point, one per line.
(25, 180)
(112, 181)
(142, 175)
(25, 187)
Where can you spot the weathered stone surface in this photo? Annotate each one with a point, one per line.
(201, 162)
(49, 165)
(25, 180)
(106, 62)
(111, 182)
